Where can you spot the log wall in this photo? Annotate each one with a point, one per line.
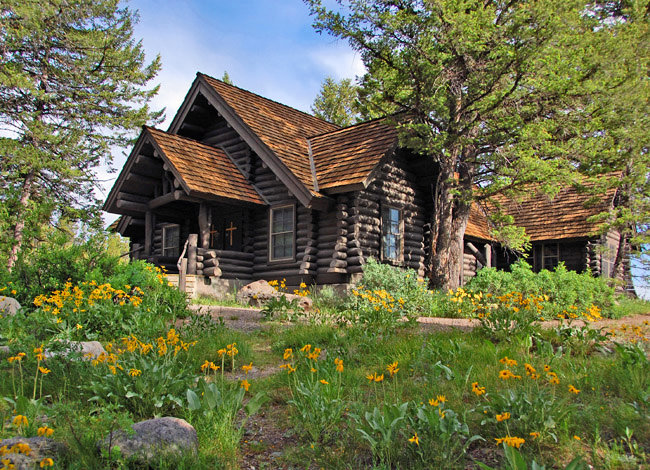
(394, 185)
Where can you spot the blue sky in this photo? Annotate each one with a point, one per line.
(268, 47)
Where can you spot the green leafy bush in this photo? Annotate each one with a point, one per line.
(561, 288)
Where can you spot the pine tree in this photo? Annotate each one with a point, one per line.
(497, 93)
(338, 102)
(72, 86)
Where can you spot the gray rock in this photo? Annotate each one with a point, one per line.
(88, 349)
(153, 438)
(8, 306)
(40, 448)
(259, 292)
(256, 292)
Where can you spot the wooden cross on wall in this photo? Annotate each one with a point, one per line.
(230, 231)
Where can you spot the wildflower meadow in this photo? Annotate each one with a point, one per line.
(534, 381)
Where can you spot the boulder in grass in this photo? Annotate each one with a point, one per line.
(8, 306)
(256, 293)
(27, 453)
(260, 292)
(88, 349)
(153, 438)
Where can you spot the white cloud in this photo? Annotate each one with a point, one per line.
(339, 60)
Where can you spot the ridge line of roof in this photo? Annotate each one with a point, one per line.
(269, 99)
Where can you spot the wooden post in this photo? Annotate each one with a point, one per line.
(182, 276)
(204, 225)
(191, 253)
(148, 233)
(488, 255)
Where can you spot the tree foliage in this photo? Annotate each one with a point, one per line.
(72, 86)
(338, 102)
(499, 94)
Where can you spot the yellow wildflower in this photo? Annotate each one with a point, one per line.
(46, 462)
(392, 368)
(379, 378)
(45, 431)
(415, 439)
(245, 384)
(44, 370)
(433, 402)
(503, 416)
(20, 420)
(247, 368)
(511, 441)
(477, 389)
(324, 382)
(572, 389)
(534, 434)
(134, 372)
(287, 353)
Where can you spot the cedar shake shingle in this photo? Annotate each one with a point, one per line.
(347, 156)
(563, 217)
(478, 225)
(204, 169)
(284, 130)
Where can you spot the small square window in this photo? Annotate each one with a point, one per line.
(281, 240)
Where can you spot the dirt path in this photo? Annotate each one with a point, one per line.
(250, 319)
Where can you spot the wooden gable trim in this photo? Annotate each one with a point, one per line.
(169, 164)
(302, 193)
(190, 97)
(126, 171)
(312, 165)
(223, 149)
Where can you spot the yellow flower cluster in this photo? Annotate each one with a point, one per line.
(280, 286)
(511, 441)
(45, 431)
(478, 390)
(17, 448)
(377, 298)
(302, 291)
(72, 299)
(170, 345)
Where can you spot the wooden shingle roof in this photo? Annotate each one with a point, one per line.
(478, 225)
(347, 156)
(284, 130)
(563, 217)
(204, 170)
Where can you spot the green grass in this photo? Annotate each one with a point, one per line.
(613, 400)
(229, 300)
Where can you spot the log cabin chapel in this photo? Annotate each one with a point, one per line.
(242, 188)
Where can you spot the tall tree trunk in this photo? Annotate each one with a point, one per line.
(621, 268)
(450, 220)
(20, 222)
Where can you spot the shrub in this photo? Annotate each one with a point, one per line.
(561, 288)
(386, 295)
(60, 258)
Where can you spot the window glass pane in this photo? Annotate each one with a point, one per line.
(282, 233)
(391, 233)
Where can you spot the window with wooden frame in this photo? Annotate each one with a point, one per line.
(392, 233)
(171, 234)
(281, 233)
(548, 256)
